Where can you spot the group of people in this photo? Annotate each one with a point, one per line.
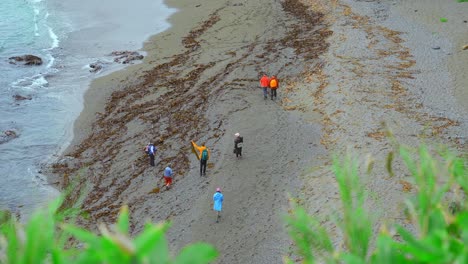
(203, 155)
(269, 83)
(150, 149)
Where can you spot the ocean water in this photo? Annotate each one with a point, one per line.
(67, 35)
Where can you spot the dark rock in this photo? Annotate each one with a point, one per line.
(436, 48)
(98, 65)
(18, 97)
(8, 135)
(126, 57)
(26, 60)
(95, 67)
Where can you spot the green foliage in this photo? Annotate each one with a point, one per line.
(47, 238)
(439, 212)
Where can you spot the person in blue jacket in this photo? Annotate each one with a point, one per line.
(218, 199)
(168, 176)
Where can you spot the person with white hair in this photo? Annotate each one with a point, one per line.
(238, 143)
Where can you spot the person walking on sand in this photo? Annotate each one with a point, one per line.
(264, 83)
(274, 84)
(218, 199)
(168, 176)
(150, 149)
(204, 157)
(238, 142)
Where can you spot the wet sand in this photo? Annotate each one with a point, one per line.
(344, 67)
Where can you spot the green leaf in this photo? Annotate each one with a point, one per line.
(352, 259)
(421, 250)
(387, 252)
(198, 253)
(39, 237)
(389, 164)
(309, 237)
(123, 221)
(14, 247)
(407, 157)
(58, 256)
(82, 235)
(150, 238)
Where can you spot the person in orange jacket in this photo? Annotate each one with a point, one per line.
(274, 84)
(264, 83)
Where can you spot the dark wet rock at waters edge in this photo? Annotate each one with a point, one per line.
(18, 97)
(95, 67)
(126, 57)
(8, 135)
(26, 60)
(98, 65)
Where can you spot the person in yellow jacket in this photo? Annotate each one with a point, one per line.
(274, 84)
(203, 154)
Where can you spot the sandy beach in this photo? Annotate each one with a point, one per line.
(346, 68)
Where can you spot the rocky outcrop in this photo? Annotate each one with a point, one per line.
(18, 97)
(26, 60)
(95, 67)
(126, 57)
(8, 135)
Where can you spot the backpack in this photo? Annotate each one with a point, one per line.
(204, 155)
(150, 149)
(273, 83)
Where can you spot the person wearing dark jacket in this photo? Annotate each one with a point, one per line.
(150, 149)
(238, 142)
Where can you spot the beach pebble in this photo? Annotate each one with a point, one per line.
(436, 48)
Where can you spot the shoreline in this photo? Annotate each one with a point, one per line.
(98, 53)
(199, 83)
(214, 64)
(76, 35)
